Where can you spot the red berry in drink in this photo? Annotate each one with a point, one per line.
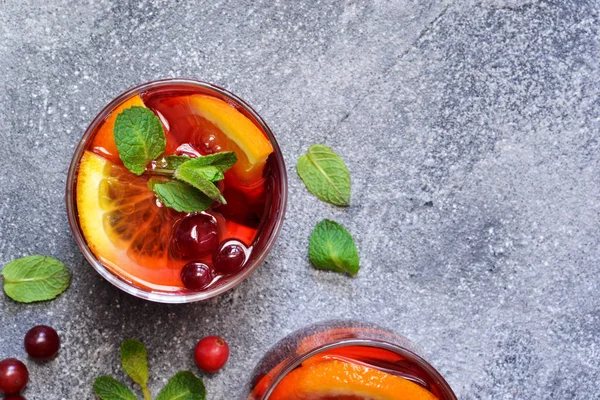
(13, 376)
(230, 257)
(196, 236)
(42, 342)
(196, 276)
(211, 353)
(15, 398)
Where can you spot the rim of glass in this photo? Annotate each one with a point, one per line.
(293, 363)
(122, 283)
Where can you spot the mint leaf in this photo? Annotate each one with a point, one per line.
(172, 162)
(200, 178)
(139, 136)
(202, 171)
(35, 278)
(183, 386)
(135, 361)
(325, 175)
(331, 247)
(221, 161)
(179, 195)
(108, 388)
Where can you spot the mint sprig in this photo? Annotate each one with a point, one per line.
(201, 172)
(35, 278)
(179, 195)
(171, 162)
(183, 386)
(198, 179)
(139, 137)
(331, 247)
(134, 359)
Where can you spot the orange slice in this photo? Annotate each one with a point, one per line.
(104, 140)
(211, 125)
(343, 380)
(122, 223)
(241, 135)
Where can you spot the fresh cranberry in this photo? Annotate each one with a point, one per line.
(211, 353)
(13, 376)
(230, 257)
(42, 342)
(15, 398)
(196, 236)
(196, 276)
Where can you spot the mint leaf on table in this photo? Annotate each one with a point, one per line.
(183, 386)
(325, 175)
(108, 388)
(135, 361)
(35, 278)
(179, 195)
(139, 136)
(331, 247)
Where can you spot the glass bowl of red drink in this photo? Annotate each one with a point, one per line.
(345, 359)
(155, 252)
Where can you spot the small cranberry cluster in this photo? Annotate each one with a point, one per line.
(195, 238)
(41, 343)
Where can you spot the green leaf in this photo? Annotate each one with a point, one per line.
(331, 247)
(199, 179)
(108, 388)
(211, 167)
(325, 175)
(221, 161)
(139, 136)
(183, 386)
(172, 162)
(35, 278)
(135, 361)
(179, 195)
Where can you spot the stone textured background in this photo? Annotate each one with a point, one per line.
(471, 129)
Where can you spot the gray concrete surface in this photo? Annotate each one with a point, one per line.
(471, 129)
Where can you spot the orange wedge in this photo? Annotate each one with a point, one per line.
(104, 140)
(211, 125)
(335, 379)
(122, 223)
(250, 144)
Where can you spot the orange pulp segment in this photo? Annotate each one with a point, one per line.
(333, 379)
(104, 140)
(122, 223)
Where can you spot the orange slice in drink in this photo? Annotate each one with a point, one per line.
(104, 140)
(122, 223)
(212, 125)
(250, 144)
(335, 379)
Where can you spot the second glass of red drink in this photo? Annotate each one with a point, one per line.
(345, 359)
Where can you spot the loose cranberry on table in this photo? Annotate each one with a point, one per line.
(230, 257)
(195, 236)
(42, 342)
(211, 353)
(196, 276)
(13, 376)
